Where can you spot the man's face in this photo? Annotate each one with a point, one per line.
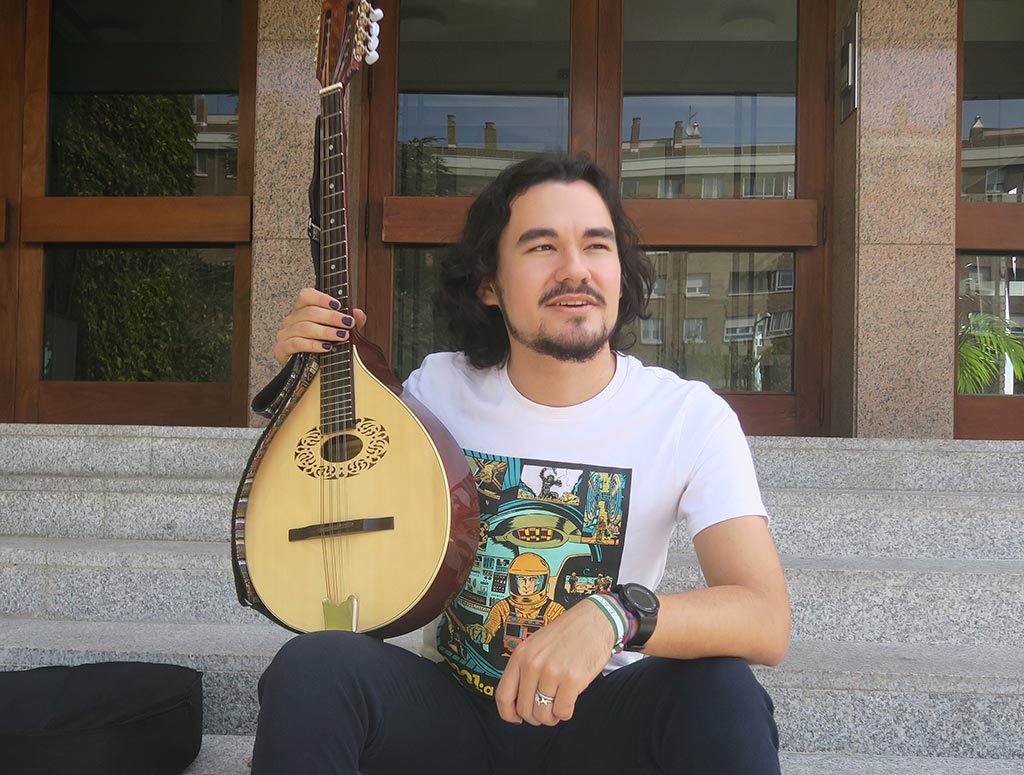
(559, 280)
(529, 585)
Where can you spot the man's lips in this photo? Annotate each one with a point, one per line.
(573, 301)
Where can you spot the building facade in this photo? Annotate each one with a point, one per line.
(832, 194)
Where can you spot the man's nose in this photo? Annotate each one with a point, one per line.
(573, 267)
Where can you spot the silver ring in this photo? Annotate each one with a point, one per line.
(542, 699)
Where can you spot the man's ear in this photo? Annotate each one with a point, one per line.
(487, 293)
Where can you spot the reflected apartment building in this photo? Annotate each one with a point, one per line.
(830, 192)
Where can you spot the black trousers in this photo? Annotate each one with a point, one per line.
(339, 703)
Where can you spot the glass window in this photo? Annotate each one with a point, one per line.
(698, 284)
(992, 132)
(709, 107)
(139, 314)
(144, 98)
(481, 85)
(990, 356)
(416, 330)
(695, 330)
(650, 331)
(732, 341)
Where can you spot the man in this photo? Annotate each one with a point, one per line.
(538, 292)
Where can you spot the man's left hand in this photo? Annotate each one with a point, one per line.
(559, 660)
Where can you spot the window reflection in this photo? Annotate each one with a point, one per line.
(992, 130)
(416, 330)
(138, 314)
(724, 318)
(720, 317)
(710, 100)
(481, 86)
(144, 98)
(990, 358)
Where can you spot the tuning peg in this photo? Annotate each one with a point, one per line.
(372, 44)
(372, 57)
(376, 14)
(374, 29)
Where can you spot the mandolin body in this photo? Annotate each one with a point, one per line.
(296, 492)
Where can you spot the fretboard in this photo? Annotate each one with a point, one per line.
(337, 392)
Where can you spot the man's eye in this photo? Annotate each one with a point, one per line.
(600, 245)
(542, 247)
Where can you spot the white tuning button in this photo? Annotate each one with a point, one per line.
(374, 29)
(372, 44)
(376, 14)
(372, 57)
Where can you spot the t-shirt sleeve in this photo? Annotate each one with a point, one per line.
(722, 484)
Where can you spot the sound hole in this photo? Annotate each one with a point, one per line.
(341, 448)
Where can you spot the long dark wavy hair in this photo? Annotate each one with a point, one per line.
(479, 330)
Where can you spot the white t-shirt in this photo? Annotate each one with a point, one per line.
(575, 499)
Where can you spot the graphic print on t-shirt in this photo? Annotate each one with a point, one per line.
(550, 535)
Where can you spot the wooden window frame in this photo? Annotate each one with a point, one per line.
(143, 220)
(981, 227)
(595, 105)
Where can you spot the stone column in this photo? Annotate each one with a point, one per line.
(287, 102)
(894, 257)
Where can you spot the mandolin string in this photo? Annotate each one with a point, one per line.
(349, 365)
(324, 415)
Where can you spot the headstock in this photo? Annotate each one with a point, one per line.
(349, 33)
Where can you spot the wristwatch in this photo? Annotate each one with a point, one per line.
(643, 604)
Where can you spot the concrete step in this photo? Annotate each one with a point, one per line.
(898, 530)
(126, 450)
(857, 764)
(806, 523)
(865, 599)
(889, 464)
(971, 602)
(113, 507)
(94, 579)
(211, 453)
(231, 754)
(902, 700)
(830, 698)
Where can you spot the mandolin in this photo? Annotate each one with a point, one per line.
(357, 510)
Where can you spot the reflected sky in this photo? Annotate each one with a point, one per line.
(535, 123)
(725, 120)
(995, 114)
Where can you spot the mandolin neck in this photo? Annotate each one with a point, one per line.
(337, 391)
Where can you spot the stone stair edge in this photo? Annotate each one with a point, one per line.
(104, 552)
(230, 755)
(776, 442)
(873, 564)
(240, 645)
(896, 499)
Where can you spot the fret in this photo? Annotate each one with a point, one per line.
(337, 383)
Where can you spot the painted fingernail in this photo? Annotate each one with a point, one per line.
(342, 334)
(347, 320)
(335, 304)
(326, 345)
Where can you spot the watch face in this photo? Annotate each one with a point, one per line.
(641, 598)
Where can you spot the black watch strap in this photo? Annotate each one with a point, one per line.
(646, 615)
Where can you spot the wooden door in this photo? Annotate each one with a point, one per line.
(403, 230)
(50, 228)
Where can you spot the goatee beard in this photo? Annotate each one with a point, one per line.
(575, 350)
(578, 351)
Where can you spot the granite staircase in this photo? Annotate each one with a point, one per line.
(905, 562)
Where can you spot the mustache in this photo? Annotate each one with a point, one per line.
(568, 290)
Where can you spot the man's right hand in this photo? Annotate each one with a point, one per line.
(315, 324)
